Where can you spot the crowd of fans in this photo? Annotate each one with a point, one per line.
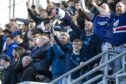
(55, 40)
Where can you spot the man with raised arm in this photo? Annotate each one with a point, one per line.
(102, 23)
(118, 22)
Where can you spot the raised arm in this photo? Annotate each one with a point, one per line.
(66, 20)
(101, 10)
(87, 12)
(33, 16)
(23, 20)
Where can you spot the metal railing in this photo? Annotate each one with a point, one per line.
(29, 82)
(122, 77)
(94, 79)
(99, 67)
(79, 67)
(105, 77)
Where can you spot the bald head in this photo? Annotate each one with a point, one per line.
(26, 61)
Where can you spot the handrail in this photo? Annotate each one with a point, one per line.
(94, 79)
(97, 68)
(30, 82)
(113, 76)
(79, 67)
(119, 76)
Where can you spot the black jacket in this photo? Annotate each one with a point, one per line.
(40, 56)
(9, 75)
(91, 47)
(18, 67)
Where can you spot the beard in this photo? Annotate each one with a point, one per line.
(119, 11)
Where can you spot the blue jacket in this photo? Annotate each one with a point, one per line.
(9, 50)
(103, 28)
(57, 58)
(119, 29)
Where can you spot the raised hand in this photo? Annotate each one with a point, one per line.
(82, 64)
(52, 40)
(83, 6)
(93, 3)
(28, 4)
